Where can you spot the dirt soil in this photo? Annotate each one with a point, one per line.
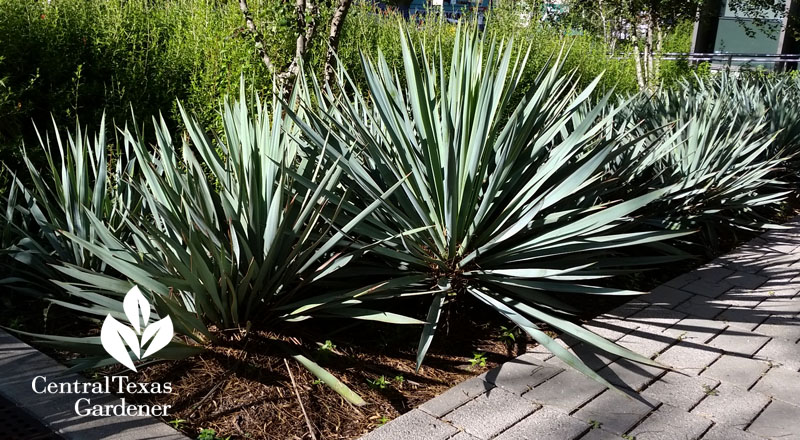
(243, 388)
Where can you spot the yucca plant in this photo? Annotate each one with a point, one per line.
(77, 184)
(233, 229)
(512, 195)
(718, 160)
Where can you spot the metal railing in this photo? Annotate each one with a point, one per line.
(729, 58)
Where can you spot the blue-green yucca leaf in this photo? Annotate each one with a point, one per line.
(540, 336)
(75, 183)
(509, 192)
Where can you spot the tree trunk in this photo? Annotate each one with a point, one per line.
(262, 53)
(300, 44)
(637, 58)
(306, 13)
(648, 51)
(333, 38)
(659, 48)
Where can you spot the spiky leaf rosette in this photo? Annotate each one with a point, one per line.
(513, 196)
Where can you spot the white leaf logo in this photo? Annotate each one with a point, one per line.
(122, 341)
(161, 332)
(137, 309)
(115, 336)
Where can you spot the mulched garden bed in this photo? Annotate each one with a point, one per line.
(243, 387)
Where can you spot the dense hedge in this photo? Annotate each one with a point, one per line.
(74, 58)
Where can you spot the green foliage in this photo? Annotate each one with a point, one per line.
(210, 434)
(83, 57)
(508, 336)
(677, 40)
(380, 383)
(77, 57)
(177, 423)
(234, 231)
(370, 30)
(721, 152)
(465, 168)
(478, 360)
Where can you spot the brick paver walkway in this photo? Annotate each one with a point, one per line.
(731, 329)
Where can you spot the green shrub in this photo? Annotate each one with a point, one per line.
(369, 29)
(78, 57)
(86, 57)
(678, 40)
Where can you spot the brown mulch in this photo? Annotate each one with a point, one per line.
(242, 389)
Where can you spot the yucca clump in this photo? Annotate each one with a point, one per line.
(721, 159)
(513, 197)
(444, 184)
(79, 183)
(232, 232)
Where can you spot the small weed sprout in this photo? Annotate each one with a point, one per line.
(177, 423)
(507, 336)
(710, 391)
(380, 383)
(478, 360)
(594, 424)
(210, 434)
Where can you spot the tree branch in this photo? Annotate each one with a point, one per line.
(333, 38)
(251, 26)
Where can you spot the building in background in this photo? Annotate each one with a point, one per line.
(720, 30)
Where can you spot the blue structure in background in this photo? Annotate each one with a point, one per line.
(453, 10)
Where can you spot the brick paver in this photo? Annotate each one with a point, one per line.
(615, 411)
(414, 425)
(736, 370)
(680, 391)
(730, 329)
(521, 374)
(779, 421)
(546, 423)
(491, 413)
(780, 383)
(456, 396)
(565, 391)
(781, 353)
(670, 423)
(731, 405)
(722, 432)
